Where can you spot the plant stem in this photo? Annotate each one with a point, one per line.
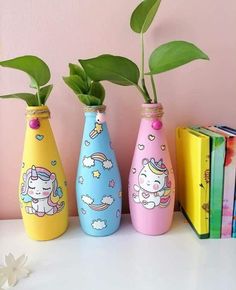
(145, 90)
(37, 94)
(142, 64)
(147, 96)
(154, 89)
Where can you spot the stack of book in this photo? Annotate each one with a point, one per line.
(206, 175)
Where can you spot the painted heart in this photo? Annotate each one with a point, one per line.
(118, 213)
(151, 137)
(54, 162)
(145, 195)
(163, 147)
(83, 211)
(39, 137)
(141, 146)
(87, 143)
(133, 170)
(111, 146)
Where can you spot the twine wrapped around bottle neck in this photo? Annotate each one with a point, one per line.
(38, 112)
(152, 111)
(94, 109)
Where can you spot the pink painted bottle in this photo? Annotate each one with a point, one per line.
(151, 179)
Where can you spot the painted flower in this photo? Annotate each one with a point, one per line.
(14, 269)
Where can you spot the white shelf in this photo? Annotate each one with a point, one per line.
(126, 260)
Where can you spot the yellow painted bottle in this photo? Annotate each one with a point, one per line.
(43, 187)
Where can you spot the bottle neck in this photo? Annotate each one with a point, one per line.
(152, 111)
(95, 109)
(39, 112)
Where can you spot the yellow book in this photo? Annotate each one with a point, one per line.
(193, 178)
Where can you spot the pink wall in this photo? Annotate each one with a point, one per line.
(63, 31)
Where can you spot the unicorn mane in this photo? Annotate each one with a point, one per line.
(43, 174)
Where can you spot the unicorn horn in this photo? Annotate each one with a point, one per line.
(34, 174)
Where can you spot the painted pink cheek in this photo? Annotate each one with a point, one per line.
(30, 192)
(155, 186)
(141, 180)
(46, 193)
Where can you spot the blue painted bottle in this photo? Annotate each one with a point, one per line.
(98, 183)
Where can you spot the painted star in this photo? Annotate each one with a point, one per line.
(111, 183)
(98, 128)
(96, 174)
(81, 180)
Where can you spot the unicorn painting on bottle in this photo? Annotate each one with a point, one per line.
(154, 186)
(40, 187)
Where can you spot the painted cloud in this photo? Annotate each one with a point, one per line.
(87, 199)
(88, 161)
(107, 164)
(107, 200)
(99, 224)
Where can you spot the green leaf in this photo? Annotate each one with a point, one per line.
(76, 84)
(44, 93)
(98, 91)
(89, 100)
(30, 99)
(143, 15)
(36, 68)
(116, 69)
(174, 54)
(77, 70)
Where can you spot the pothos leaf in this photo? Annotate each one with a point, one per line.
(75, 83)
(44, 93)
(172, 55)
(89, 100)
(77, 70)
(36, 68)
(30, 99)
(143, 15)
(116, 69)
(98, 91)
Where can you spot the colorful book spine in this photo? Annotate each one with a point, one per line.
(193, 178)
(217, 149)
(232, 131)
(234, 215)
(229, 182)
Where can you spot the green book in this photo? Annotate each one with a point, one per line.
(217, 149)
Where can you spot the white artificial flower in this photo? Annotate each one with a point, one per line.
(2, 281)
(14, 269)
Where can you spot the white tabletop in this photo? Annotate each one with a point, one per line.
(177, 260)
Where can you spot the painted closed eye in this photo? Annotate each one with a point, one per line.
(157, 181)
(31, 187)
(144, 175)
(46, 188)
